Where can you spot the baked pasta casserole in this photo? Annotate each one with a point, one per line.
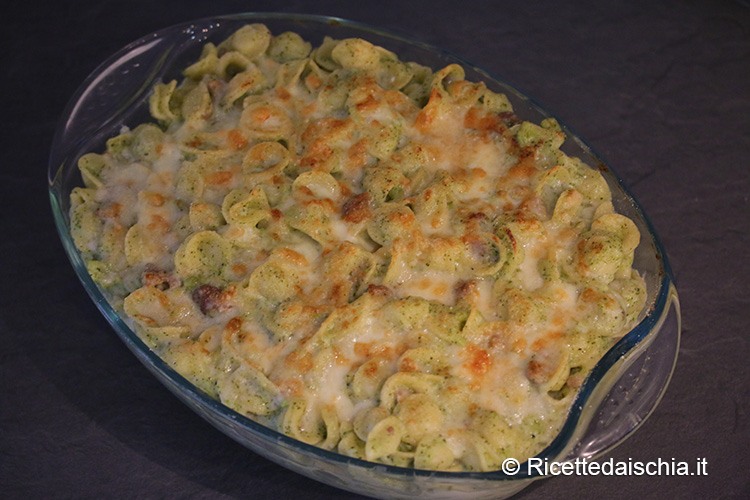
(366, 254)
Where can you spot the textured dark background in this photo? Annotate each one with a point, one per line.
(660, 89)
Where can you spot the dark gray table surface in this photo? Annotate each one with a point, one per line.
(660, 89)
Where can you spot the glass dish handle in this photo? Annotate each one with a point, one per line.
(636, 393)
(112, 92)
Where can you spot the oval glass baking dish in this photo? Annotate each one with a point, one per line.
(617, 396)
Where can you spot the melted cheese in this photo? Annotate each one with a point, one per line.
(431, 285)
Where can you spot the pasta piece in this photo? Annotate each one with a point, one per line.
(197, 106)
(474, 453)
(266, 121)
(448, 322)
(275, 280)
(250, 80)
(205, 216)
(631, 292)
(314, 218)
(292, 318)
(392, 73)
(402, 383)
(203, 255)
(288, 46)
(156, 309)
(205, 65)
(424, 359)
(366, 419)
(232, 63)
(418, 88)
(290, 72)
(384, 438)
(392, 221)
(549, 367)
(486, 254)
(303, 423)
(355, 54)
(351, 445)
(507, 441)
(420, 415)
(248, 391)
(571, 174)
(196, 364)
(160, 102)
(495, 102)
(316, 185)
(190, 183)
(433, 453)
(141, 247)
(606, 251)
(91, 166)
(85, 226)
(369, 378)
(251, 40)
(385, 183)
(344, 321)
(245, 208)
(332, 428)
(322, 55)
(147, 142)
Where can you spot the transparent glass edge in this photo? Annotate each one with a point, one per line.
(672, 307)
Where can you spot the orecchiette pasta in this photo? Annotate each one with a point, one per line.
(364, 254)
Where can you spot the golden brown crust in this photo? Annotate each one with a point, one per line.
(357, 208)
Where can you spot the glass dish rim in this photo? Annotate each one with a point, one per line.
(624, 346)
